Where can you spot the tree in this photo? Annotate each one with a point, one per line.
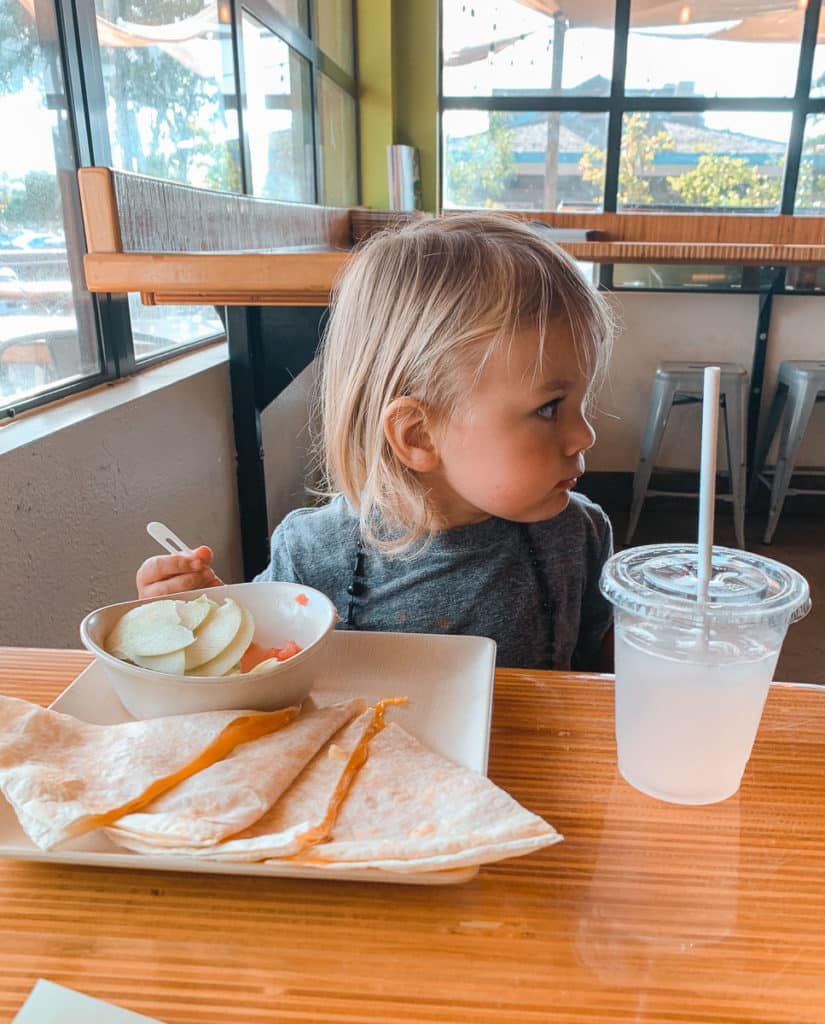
(725, 181)
(639, 149)
(37, 204)
(20, 63)
(162, 108)
(480, 170)
(716, 181)
(810, 189)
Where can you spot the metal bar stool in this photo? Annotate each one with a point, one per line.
(681, 384)
(800, 385)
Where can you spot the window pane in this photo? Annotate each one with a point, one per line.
(805, 279)
(166, 100)
(278, 116)
(818, 76)
(294, 11)
(332, 30)
(159, 328)
(534, 160)
(503, 48)
(810, 189)
(338, 158)
(676, 275)
(170, 99)
(705, 161)
(755, 55)
(48, 335)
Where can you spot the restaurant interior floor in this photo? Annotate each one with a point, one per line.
(799, 541)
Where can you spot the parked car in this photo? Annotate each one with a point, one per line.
(39, 240)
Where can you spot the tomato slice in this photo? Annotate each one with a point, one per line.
(289, 649)
(256, 653)
(253, 655)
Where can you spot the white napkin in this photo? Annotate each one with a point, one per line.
(53, 1004)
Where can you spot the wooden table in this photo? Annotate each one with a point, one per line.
(647, 912)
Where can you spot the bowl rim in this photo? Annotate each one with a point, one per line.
(150, 673)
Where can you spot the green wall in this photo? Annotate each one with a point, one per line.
(398, 80)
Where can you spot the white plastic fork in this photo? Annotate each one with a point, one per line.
(167, 539)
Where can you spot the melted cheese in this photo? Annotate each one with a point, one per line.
(357, 759)
(240, 730)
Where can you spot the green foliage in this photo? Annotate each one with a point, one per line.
(481, 170)
(810, 190)
(639, 149)
(36, 205)
(20, 60)
(166, 116)
(715, 181)
(725, 181)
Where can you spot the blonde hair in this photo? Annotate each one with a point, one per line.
(414, 310)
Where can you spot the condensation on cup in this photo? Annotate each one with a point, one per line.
(692, 677)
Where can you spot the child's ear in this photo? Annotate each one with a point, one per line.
(408, 430)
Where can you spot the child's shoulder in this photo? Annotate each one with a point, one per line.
(331, 522)
(582, 522)
(582, 511)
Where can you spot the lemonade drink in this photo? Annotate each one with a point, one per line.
(666, 747)
(692, 678)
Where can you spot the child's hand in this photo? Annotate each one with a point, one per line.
(172, 574)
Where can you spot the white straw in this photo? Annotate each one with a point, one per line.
(707, 478)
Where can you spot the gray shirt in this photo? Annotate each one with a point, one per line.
(531, 587)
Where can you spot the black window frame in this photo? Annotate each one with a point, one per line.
(72, 30)
(617, 103)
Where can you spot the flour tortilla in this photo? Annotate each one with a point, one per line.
(412, 810)
(292, 822)
(64, 777)
(235, 792)
(408, 810)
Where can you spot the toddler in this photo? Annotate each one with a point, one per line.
(456, 371)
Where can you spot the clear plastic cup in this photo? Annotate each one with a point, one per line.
(691, 677)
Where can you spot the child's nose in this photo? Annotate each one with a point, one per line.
(581, 437)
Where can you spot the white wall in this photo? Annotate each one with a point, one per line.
(74, 503)
(670, 326)
(79, 483)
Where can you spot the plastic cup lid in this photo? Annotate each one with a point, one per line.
(660, 581)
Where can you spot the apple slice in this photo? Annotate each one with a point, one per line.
(265, 665)
(148, 630)
(193, 613)
(217, 632)
(173, 663)
(231, 654)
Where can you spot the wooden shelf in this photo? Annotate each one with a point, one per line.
(241, 250)
(219, 279)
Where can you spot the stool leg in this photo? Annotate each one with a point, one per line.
(661, 400)
(802, 401)
(735, 432)
(766, 436)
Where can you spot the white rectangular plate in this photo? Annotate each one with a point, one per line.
(449, 683)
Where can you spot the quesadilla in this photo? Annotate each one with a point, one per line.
(374, 797)
(64, 777)
(233, 793)
(302, 816)
(412, 810)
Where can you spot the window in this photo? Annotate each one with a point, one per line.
(704, 112)
(524, 159)
(48, 334)
(155, 90)
(277, 116)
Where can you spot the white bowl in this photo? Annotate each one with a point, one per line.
(278, 616)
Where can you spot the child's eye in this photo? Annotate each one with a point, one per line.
(549, 409)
